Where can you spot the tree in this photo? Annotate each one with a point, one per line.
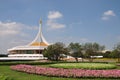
(75, 50)
(107, 54)
(117, 46)
(117, 51)
(54, 52)
(114, 54)
(91, 49)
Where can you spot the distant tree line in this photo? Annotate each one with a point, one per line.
(85, 51)
(115, 53)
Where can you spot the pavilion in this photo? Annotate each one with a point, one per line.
(33, 49)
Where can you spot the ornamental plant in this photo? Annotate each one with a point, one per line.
(60, 72)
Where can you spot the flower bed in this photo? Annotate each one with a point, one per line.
(84, 65)
(60, 72)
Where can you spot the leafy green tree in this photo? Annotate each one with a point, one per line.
(117, 46)
(114, 54)
(107, 54)
(117, 51)
(54, 52)
(92, 49)
(75, 50)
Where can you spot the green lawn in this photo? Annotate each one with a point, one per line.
(84, 65)
(24, 76)
(5, 70)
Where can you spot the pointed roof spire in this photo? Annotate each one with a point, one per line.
(40, 21)
(39, 40)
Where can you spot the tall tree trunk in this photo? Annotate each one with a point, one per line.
(76, 59)
(82, 60)
(91, 59)
(118, 59)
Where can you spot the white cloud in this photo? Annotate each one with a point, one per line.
(54, 15)
(52, 23)
(14, 34)
(105, 18)
(13, 28)
(108, 14)
(9, 28)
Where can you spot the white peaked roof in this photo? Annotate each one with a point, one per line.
(38, 43)
(39, 40)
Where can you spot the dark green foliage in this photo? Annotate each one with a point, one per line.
(55, 51)
(95, 47)
(92, 49)
(117, 48)
(26, 62)
(89, 53)
(75, 50)
(114, 54)
(107, 54)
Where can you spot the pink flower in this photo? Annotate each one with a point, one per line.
(60, 72)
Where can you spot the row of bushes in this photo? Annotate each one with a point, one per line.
(40, 63)
(60, 72)
(26, 62)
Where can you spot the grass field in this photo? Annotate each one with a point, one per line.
(14, 75)
(24, 76)
(95, 66)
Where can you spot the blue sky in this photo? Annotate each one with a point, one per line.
(63, 21)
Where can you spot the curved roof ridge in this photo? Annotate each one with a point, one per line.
(39, 38)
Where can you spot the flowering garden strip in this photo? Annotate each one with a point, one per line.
(84, 65)
(60, 72)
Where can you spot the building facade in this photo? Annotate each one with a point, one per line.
(33, 49)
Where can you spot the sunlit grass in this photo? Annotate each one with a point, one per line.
(84, 65)
(14, 75)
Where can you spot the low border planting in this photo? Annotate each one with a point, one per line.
(84, 65)
(26, 62)
(38, 63)
(60, 72)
